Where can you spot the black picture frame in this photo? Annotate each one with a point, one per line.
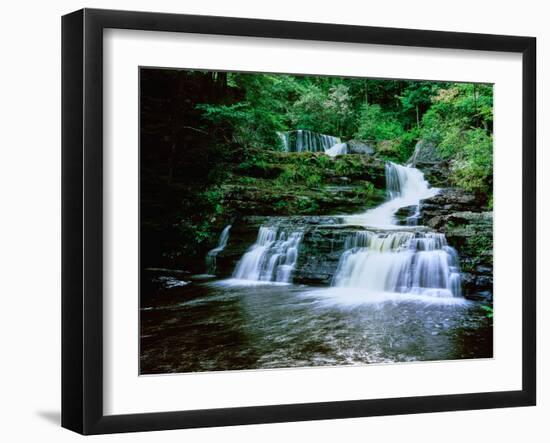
(82, 220)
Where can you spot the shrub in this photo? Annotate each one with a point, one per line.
(472, 168)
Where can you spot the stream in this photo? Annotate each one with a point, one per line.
(212, 326)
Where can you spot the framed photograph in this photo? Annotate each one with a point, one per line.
(269, 221)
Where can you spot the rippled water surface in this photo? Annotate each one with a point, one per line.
(225, 325)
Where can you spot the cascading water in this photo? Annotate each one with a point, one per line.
(337, 149)
(383, 258)
(406, 187)
(272, 258)
(285, 140)
(303, 140)
(419, 263)
(212, 254)
(410, 261)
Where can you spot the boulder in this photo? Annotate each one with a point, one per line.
(408, 215)
(427, 158)
(425, 153)
(320, 252)
(446, 202)
(360, 147)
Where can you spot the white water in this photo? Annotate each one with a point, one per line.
(406, 187)
(400, 262)
(211, 256)
(350, 298)
(303, 140)
(337, 149)
(272, 258)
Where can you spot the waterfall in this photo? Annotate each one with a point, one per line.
(407, 262)
(211, 256)
(337, 149)
(303, 140)
(271, 258)
(284, 136)
(406, 186)
(382, 258)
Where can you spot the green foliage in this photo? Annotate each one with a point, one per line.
(348, 165)
(299, 174)
(314, 180)
(369, 189)
(456, 117)
(478, 247)
(377, 124)
(324, 161)
(247, 181)
(488, 311)
(460, 123)
(322, 108)
(257, 116)
(472, 168)
(307, 206)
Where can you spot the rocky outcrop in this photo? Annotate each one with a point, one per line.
(447, 201)
(320, 249)
(360, 147)
(427, 158)
(343, 197)
(310, 183)
(425, 153)
(456, 214)
(472, 234)
(358, 167)
(320, 252)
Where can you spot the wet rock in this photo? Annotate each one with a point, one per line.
(320, 248)
(408, 216)
(406, 211)
(468, 279)
(456, 213)
(483, 269)
(446, 202)
(471, 234)
(320, 252)
(486, 296)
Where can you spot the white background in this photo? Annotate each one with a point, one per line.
(30, 231)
